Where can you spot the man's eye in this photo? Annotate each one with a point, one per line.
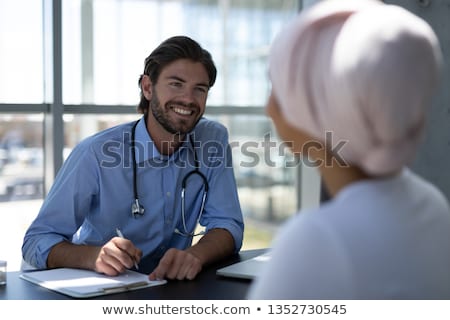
(175, 84)
(202, 89)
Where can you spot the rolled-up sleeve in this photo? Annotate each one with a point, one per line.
(62, 212)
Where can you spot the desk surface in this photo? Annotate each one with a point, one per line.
(206, 286)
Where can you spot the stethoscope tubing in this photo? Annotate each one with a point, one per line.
(138, 210)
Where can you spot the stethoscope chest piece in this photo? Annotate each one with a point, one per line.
(137, 209)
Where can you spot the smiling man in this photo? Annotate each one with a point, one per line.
(153, 182)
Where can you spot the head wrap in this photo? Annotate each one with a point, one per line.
(362, 70)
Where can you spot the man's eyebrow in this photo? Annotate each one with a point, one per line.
(175, 78)
(202, 84)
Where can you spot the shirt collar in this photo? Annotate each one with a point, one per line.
(145, 147)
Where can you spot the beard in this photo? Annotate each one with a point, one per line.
(162, 116)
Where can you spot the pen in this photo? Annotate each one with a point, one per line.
(120, 234)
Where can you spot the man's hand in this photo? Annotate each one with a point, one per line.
(216, 244)
(177, 264)
(112, 258)
(116, 256)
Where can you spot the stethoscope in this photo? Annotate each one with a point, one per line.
(138, 210)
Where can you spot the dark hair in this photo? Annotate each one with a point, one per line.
(175, 48)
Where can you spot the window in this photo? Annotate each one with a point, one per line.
(21, 54)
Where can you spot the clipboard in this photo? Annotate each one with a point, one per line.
(79, 283)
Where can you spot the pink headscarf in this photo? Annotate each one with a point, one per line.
(365, 71)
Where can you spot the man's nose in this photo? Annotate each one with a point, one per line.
(188, 95)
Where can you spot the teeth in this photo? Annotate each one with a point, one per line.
(182, 111)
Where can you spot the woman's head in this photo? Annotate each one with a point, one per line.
(362, 70)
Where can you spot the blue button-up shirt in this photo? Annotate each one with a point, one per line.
(93, 193)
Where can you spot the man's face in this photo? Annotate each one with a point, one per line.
(178, 99)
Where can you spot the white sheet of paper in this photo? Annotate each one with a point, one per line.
(85, 283)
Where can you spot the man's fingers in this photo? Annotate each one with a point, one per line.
(130, 255)
(176, 264)
(116, 256)
(164, 264)
(192, 273)
(108, 264)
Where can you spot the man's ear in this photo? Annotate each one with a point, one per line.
(147, 87)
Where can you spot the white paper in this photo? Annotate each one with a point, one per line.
(85, 283)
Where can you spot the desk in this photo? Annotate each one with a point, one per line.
(207, 285)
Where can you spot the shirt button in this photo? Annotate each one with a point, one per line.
(168, 193)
